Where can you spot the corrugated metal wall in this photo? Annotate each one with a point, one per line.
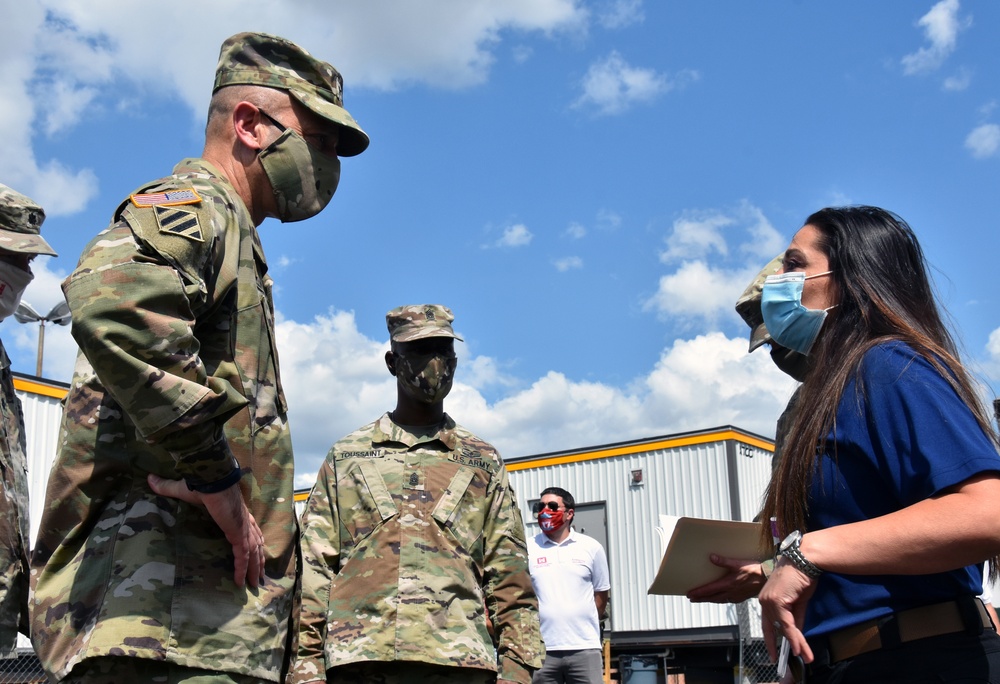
(42, 415)
(684, 481)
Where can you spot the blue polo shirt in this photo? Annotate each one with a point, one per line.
(902, 434)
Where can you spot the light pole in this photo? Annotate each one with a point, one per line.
(59, 315)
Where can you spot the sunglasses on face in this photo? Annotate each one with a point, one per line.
(538, 507)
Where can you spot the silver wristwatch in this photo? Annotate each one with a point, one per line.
(789, 549)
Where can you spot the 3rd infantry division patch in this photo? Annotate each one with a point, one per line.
(177, 221)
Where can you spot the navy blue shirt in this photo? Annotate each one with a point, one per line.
(901, 437)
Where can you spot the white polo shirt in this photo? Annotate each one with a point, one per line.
(565, 577)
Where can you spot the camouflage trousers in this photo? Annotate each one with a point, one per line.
(403, 672)
(122, 669)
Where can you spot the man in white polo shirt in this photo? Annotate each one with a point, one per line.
(569, 571)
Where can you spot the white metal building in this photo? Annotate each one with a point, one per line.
(41, 402)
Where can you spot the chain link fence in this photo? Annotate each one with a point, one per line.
(22, 669)
(755, 666)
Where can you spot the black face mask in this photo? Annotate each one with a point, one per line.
(790, 362)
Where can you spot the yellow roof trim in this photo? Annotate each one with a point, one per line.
(40, 388)
(302, 495)
(644, 446)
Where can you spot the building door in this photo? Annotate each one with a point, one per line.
(591, 519)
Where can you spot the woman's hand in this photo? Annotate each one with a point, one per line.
(743, 579)
(783, 603)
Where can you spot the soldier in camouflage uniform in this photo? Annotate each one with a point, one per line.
(412, 540)
(172, 490)
(20, 221)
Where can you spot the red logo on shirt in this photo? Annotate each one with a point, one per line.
(541, 560)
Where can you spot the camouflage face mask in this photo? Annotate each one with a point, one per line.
(427, 377)
(303, 178)
(13, 281)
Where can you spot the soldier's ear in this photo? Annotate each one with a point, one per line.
(390, 363)
(249, 125)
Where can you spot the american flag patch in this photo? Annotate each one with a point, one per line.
(180, 222)
(165, 199)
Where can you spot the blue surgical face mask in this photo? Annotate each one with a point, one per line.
(791, 325)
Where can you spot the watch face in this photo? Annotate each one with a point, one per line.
(790, 540)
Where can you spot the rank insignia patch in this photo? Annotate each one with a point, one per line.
(177, 221)
(165, 199)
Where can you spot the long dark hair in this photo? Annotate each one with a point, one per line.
(885, 294)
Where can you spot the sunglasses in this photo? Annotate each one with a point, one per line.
(538, 506)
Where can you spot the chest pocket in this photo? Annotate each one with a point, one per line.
(463, 508)
(254, 351)
(363, 500)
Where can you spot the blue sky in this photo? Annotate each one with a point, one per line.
(588, 185)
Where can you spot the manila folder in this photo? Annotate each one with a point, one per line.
(685, 563)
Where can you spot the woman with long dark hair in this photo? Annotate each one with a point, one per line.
(887, 497)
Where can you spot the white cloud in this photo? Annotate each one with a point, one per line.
(697, 290)
(703, 382)
(764, 241)
(65, 59)
(575, 231)
(567, 263)
(983, 141)
(609, 220)
(958, 82)
(711, 274)
(941, 26)
(614, 14)
(990, 365)
(517, 235)
(612, 86)
(696, 234)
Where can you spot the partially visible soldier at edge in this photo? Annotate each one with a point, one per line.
(412, 541)
(167, 549)
(20, 222)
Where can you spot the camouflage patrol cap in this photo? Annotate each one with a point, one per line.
(20, 221)
(748, 305)
(419, 321)
(266, 60)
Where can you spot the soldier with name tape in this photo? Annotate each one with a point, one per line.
(415, 565)
(168, 544)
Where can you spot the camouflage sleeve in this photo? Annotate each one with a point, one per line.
(133, 318)
(320, 562)
(510, 598)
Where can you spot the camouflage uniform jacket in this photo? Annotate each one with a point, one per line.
(407, 539)
(177, 375)
(14, 530)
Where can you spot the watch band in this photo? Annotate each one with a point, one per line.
(790, 550)
(218, 485)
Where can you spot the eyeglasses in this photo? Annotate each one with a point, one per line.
(539, 506)
(327, 144)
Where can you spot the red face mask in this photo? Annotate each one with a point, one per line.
(550, 520)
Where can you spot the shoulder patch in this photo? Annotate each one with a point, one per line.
(177, 221)
(165, 199)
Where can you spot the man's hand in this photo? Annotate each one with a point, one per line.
(232, 516)
(743, 580)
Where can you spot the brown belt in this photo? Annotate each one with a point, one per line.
(905, 626)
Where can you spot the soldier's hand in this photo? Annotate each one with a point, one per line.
(232, 516)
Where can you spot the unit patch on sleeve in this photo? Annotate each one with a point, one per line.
(180, 222)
